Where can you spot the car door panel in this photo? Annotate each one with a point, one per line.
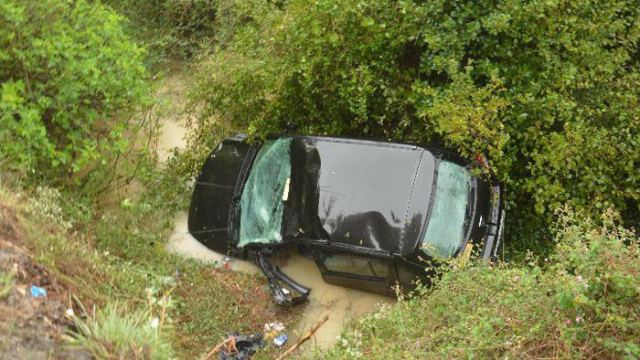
(361, 272)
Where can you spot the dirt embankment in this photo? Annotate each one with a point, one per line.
(30, 327)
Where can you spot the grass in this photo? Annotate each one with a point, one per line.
(581, 302)
(114, 260)
(116, 333)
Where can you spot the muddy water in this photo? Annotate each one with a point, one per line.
(341, 304)
(171, 114)
(171, 136)
(181, 242)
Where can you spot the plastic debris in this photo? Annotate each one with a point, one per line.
(226, 263)
(276, 326)
(273, 329)
(37, 291)
(155, 322)
(241, 347)
(280, 340)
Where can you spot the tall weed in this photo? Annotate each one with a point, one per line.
(113, 333)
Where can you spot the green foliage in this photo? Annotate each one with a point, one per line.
(170, 27)
(142, 220)
(581, 303)
(71, 79)
(548, 90)
(113, 333)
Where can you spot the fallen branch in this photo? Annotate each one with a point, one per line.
(304, 338)
(218, 347)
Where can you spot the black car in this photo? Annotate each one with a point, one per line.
(371, 214)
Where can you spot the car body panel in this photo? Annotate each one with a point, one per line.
(362, 272)
(213, 195)
(365, 199)
(365, 192)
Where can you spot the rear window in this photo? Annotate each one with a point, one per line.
(446, 227)
(262, 200)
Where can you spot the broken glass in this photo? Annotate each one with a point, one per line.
(445, 231)
(264, 195)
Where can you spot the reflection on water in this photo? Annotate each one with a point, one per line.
(340, 303)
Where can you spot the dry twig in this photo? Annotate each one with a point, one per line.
(304, 338)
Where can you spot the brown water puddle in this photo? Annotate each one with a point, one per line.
(341, 304)
(171, 114)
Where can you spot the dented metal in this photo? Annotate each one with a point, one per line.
(361, 202)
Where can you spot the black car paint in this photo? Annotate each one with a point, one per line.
(210, 220)
(352, 201)
(360, 197)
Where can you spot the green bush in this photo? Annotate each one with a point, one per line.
(71, 79)
(169, 27)
(548, 90)
(583, 302)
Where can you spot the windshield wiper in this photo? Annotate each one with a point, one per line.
(471, 204)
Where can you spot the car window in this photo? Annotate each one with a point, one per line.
(264, 194)
(356, 265)
(445, 230)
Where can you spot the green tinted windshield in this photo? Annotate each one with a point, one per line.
(262, 204)
(445, 230)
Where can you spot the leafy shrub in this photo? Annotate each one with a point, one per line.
(582, 303)
(169, 26)
(549, 91)
(70, 80)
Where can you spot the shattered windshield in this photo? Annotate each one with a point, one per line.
(446, 227)
(264, 194)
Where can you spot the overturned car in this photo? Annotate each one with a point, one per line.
(371, 214)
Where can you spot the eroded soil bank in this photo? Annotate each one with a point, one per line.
(31, 327)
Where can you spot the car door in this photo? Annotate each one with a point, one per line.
(363, 272)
